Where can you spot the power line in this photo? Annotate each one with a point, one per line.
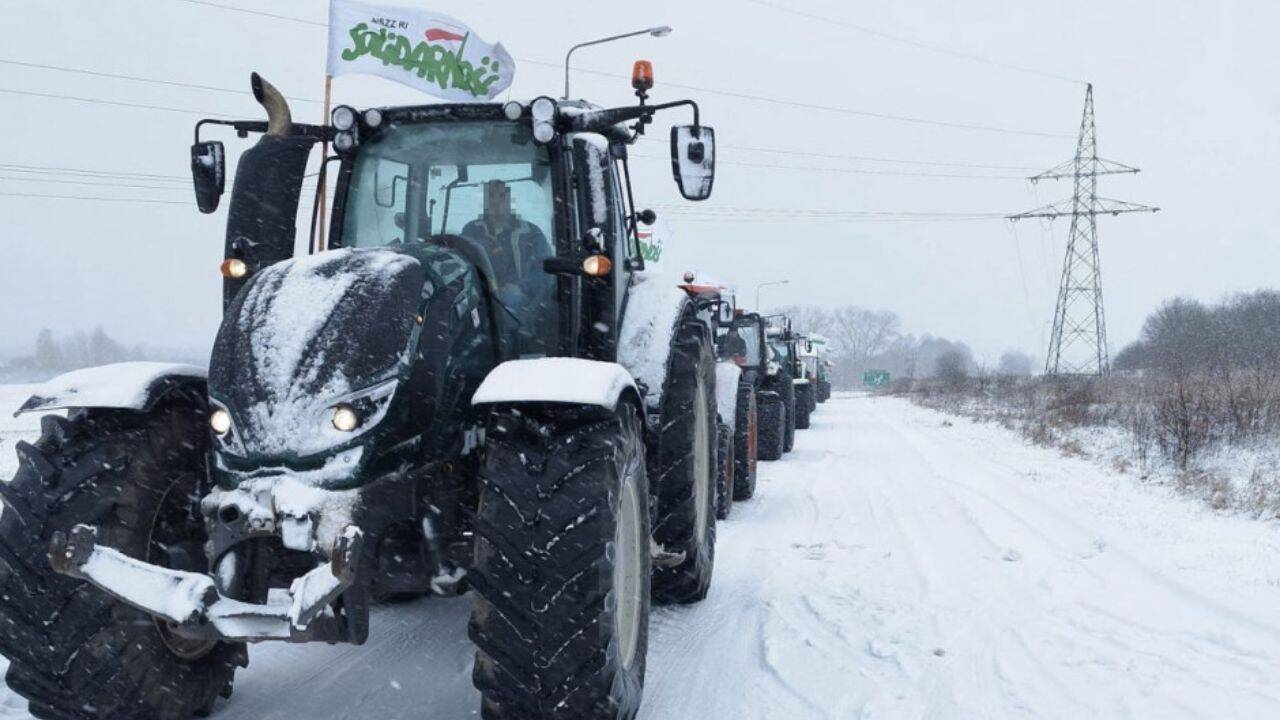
(98, 101)
(786, 212)
(916, 43)
(94, 198)
(137, 78)
(49, 170)
(255, 12)
(852, 171)
(98, 183)
(711, 91)
(823, 221)
(865, 158)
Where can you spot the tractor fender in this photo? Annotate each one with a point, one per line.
(556, 380)
(122, 386)
(656, 307)
(727, 376)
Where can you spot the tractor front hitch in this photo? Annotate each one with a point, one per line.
(191, 605)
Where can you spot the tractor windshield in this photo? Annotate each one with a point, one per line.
(782, 349)
(480, 188)
(751, 335)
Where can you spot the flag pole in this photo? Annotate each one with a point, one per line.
(324, 156)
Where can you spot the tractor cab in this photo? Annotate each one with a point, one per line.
(750, 328)
(783, 345)
(535, 198)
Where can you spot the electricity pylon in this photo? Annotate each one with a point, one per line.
(1079, 320)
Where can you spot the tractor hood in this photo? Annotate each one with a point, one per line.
(304, 335)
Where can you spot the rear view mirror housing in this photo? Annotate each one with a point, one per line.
(208, 174)
(725, 312)
(693, 160)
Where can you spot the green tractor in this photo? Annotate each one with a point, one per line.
(784, 343)
(475, 386)
(819, 366)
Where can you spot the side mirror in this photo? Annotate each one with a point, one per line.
(693, 160)
(647, 217)
(726, 312)
(208, 174)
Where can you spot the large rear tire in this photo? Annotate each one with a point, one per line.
(562, 565)
(745, 441)
(804, 406)
(789, 399)
(725, 468)
(772, 426)
(75, 653)
(684, 474)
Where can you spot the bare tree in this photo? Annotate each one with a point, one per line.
(808, 318)
(48, 355)
(952, 368)
(861, 334)
(1014, 363)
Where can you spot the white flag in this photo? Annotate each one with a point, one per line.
(428, 51)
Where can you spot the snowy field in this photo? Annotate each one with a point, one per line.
(899, 564)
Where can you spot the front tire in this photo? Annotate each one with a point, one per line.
(684, 475)
(725, 467)
(75, 653)
(562, 565)
(745, 442)
(804, 406)
(788, 392)
(772, 426)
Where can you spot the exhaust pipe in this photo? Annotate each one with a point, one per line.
(279, 119)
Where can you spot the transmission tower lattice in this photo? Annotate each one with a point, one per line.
(1078, 345)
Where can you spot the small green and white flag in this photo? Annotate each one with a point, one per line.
(427, 51)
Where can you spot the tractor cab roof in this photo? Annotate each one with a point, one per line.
(568, 116)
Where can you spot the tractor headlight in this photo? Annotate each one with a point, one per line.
(373, 117)
(343, 118)
(359, 411)
(344, 141)
(345, 418)
(513, 110)
(226, 436)
(543, 111)
(220, 421)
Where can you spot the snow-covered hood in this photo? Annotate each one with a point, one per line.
(306, 333)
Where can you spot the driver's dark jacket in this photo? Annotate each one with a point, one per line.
(732, 346)
(516, 250)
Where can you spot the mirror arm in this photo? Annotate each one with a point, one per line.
(636, 261)
(600, 120)
(678, 103)
(244, 127)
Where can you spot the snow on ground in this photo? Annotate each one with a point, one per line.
(13, 430)
(899, 564)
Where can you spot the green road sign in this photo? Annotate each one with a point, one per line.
(875, 379)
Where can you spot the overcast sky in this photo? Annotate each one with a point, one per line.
(1186, 90)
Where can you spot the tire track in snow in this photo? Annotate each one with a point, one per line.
(1144, 650)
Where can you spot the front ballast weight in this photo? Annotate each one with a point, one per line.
(329, 603)
(192, 606)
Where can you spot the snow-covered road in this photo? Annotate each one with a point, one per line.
(898, 564)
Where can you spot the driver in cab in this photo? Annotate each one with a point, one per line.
(516, 247)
